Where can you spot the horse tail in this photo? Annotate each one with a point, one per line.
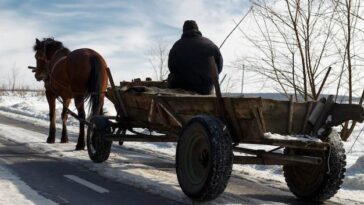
(94, 87)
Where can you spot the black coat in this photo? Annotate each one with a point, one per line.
(188, 63)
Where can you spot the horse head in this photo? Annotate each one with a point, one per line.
(44, 51)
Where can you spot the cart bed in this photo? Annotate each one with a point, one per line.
(168, 110)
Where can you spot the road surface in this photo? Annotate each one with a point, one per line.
(66, 183)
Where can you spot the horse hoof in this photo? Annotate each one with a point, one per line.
(64, 140)
(78, 148)
(51, 140)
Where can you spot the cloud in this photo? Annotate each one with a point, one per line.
(17, 38)
(121, 31)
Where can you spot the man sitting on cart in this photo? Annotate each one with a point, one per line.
(188, 61)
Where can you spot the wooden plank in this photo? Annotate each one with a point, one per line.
(162, 117)
(290, 114)
(307, 115)
(192, 105)
(261, 117)
(299, 114)
(274, 116)
(243, 106)
(152, 111)
(229, 106)
(137, 100)
(169, 110)
(259, 132)
(159, 84)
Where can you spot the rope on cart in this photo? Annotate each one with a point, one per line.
(328, 160)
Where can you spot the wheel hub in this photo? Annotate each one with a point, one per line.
(204, 158)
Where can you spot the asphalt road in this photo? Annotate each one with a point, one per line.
(66, 183)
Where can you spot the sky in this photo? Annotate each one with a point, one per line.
(123, 32)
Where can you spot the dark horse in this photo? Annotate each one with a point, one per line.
(80, 74)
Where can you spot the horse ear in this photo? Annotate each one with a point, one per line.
(37, 41)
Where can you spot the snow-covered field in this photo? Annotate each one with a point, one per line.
(34, 109)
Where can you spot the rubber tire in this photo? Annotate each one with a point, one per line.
(327, 183)
(220, 158)
(98, 148)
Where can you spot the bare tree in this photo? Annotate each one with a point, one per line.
(347, 20)
(293, 44)
(304, 46)
(158, 59)
(13, 78)
(227, 83)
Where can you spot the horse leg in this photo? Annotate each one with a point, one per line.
(66, 103)
(79, 103)
(52, 112)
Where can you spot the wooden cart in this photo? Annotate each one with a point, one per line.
(209, 129)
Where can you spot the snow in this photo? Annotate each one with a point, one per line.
(355, 175)
(34, 109)
(304, 138)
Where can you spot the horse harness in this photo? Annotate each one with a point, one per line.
(49, 78)
(49, 67)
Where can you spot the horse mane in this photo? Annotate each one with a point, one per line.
(48, 44)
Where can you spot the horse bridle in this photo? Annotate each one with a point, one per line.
(46, 62)
(42, 58)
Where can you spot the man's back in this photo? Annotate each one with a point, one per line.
(188, 62)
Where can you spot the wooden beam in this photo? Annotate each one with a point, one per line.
(169, 110)
(119, 105)
(264, 157)
(277, 159)
(140, 138)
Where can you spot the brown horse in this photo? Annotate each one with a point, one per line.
(80, 74)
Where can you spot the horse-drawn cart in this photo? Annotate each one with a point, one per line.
(209, 129)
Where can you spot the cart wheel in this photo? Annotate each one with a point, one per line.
(318, 183)
(204, 158)
(98, 148)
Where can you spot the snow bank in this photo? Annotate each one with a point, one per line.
(355, 175)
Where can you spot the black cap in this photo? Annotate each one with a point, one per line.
(190, 25)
